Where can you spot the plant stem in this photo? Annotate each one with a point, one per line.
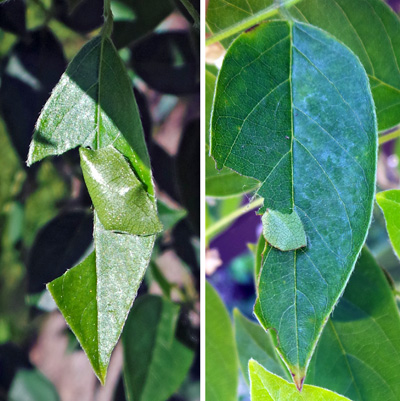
(192, 11)
(217, 227)
(249, 22)
(389, 137)
(108, 20)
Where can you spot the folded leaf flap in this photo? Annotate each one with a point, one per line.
(120, 199)
(283, 231)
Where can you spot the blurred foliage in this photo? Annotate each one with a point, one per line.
(44, 210)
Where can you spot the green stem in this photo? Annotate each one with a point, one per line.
(108, 20)
(192, 11)
(389, 137)
(220, 225)
(249, 22)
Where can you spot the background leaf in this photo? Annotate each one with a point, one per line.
(133, 19)
(59, 246)
(265, 386)
(389, 201)
(155, 361)
(372, 31)
(293, 109)
(253, 342)
(167, 62)
(31, 385)
(221, 358)
(359, 351)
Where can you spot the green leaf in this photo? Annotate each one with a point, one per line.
(266, 386)
(31, 385)
(93, 106)
(169, 216)
(120, 199)
(155, 361)
(359, 351)
(293, 109)
(253, 342)
(225, 182)
(389, 201)
(221, 358)
(96, 311)
(283, 231)
(371, 30)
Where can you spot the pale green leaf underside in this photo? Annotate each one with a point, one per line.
(120, 199)
(372, 31)
(358, 354)
(93, 106)
(283, 231)
(266, 386)
(389, 201)
(96, 296)
(221, 358)
(293, 109)
(155, 361)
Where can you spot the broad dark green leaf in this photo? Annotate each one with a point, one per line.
(293, 109)
(221, 358)
(93, 106)
(58, 246)
(359, 351)
(225, 182)
(372, 31)
(266, 386)
(167, 62)
(133, 19)
(155, 361)
(110, 276)
(120, 199)
(389, 201)
(252, 342)
(31, 385)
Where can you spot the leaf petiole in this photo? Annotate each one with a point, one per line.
(220, 225)
(389, 137)
(250, 21)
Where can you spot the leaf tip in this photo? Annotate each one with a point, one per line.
(298, 377)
